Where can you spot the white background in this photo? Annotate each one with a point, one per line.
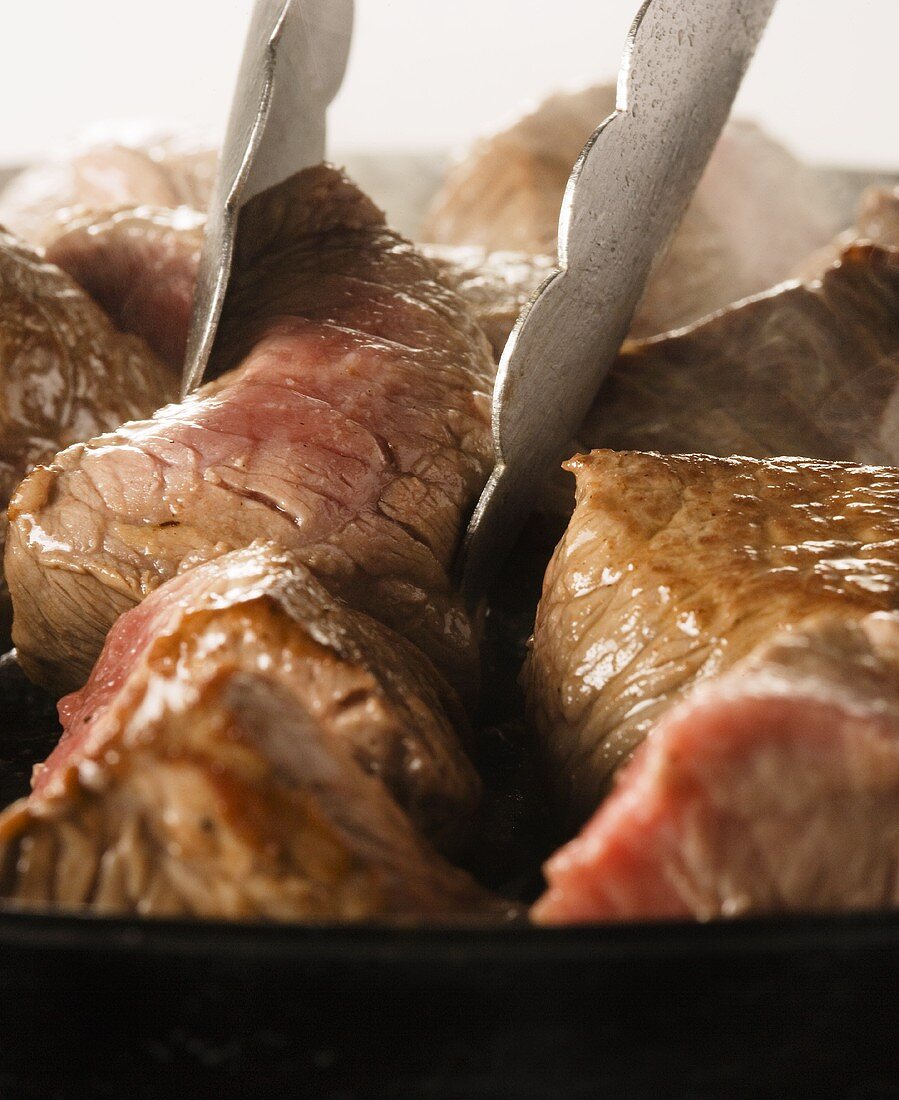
(428, 75)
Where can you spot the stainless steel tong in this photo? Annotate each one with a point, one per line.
(293, 64)
(683, 63)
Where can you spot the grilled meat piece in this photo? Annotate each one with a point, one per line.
(260, 611)
(494, 285)
(671, 570)
(506, 192)
(65, 373)
(248, 746)
(140, 264)
(136, 168)
(807, 369)
(227, 804)
(756, 214)
(774, 788)
(354, 429)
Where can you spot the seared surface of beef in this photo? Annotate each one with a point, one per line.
(140, 264)
(354, 429)
(228, 808)
(494, 285)
(674, 568)
(260, 610)
(772, 789)
(756, 215)
(249, 746)
(807, 369)
(506, 192)
(160, 169)
(65, 373)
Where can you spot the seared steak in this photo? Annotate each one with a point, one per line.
(756, 215)
(671, 570)
(806, 369)
(354, 429)
(140, 264)
(160, 169)
(773, 788)
(495, 285)
(506, 192)
(228, 806)
(65, 373)
(234, 755)
(260, 610)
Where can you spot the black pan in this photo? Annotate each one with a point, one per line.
(117, 1008)
(126, 1008)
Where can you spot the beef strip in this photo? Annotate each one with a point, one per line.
(354, 428)
(261, 610)
(671, 570)
(774, 788)
(506, 191)
(133, 168)
(248, 746)
(140, 265)
(757, 213)
(65, 373)
(496, 286)
(807, 369)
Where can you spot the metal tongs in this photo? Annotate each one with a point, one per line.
(683, 63)
(293, 64)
